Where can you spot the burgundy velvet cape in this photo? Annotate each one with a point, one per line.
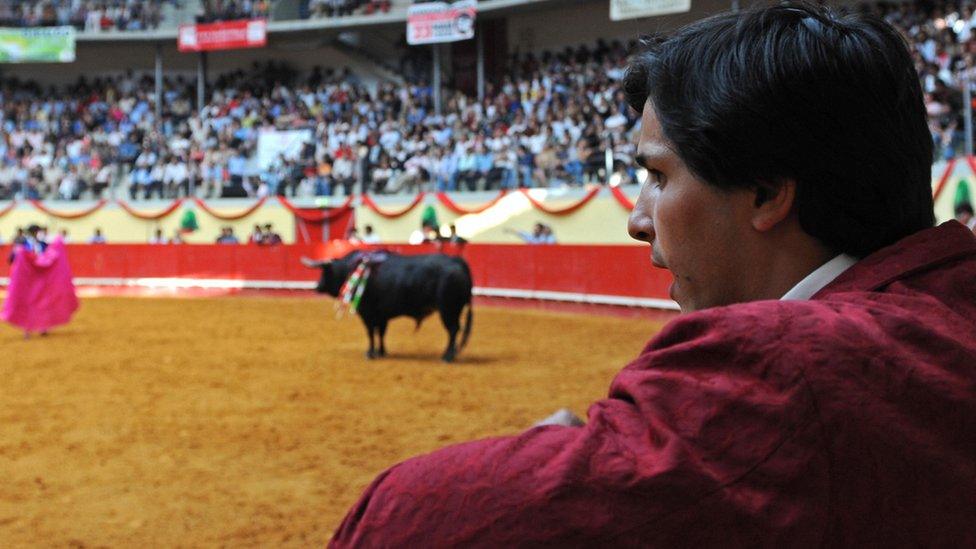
(846, 420)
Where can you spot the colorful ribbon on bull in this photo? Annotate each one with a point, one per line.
(352, 290)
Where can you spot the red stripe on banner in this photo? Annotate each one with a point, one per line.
(8, 208)
(232, 217)
(74, 215)
(319, 216)
(561, 211)
(622, 198)
(150, 217)
(950, 165)
(368, 202)
(451, 205)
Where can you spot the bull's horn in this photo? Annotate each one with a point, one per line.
(312, 263)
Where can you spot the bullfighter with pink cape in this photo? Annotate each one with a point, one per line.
(41, 294)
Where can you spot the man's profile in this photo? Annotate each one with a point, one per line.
(820, 389)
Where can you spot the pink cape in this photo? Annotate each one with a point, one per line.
(41, 294)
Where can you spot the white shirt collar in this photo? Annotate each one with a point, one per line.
(823, 275)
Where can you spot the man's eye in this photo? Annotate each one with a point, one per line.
(656, 178)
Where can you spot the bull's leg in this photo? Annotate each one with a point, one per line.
(370, 329)
(381, 332)
(451, 317)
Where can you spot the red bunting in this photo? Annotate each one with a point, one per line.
(622, 198)
(320, 216)
(972, 166)
(950, 166)
(150, 216)
(368, 202)
(451, 205)
(74, 215)
(8, 208)
(232, 217)
(561, 211)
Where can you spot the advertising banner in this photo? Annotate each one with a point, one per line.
(228, 35)
(37, 45)
(633, 9)
(436, 22)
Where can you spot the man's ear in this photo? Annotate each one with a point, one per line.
(773, 203)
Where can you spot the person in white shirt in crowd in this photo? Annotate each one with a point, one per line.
(157, 237)
(69, 188)
(964, 215)
(369, 236)
(97, 237)
(541, 234)
(176, 177)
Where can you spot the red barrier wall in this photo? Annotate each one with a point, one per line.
(607, 270)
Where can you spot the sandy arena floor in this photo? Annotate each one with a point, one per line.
(256, 421)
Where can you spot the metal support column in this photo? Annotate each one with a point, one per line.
(967, 97)
(159, 85)
(201, 81)
(437, 78)
(480, 37)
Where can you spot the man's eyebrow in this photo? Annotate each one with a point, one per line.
(652, 153)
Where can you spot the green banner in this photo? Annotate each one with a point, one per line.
(37, 45)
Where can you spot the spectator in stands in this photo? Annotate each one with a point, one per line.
(227, 236)
(177, 237)
(370, 237)
(257, 236)
(454, 237)
(19, 236)
(97, 237)
(964, 215)
(271, 238)
(541, 234)
(381, 175)
(426, 233)
(157, 237)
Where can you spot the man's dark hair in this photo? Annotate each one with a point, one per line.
(797, 92)
(965, 207)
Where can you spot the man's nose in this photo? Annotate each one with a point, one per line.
(640, 224)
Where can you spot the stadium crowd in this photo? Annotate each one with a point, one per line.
(555, 119)
(140, 15)
(944, 48)
(550, 123)
(86, 15)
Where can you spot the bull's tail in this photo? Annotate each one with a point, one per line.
(466, 331)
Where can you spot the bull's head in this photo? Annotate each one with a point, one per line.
(334, 274)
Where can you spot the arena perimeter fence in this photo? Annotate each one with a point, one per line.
(618, 275)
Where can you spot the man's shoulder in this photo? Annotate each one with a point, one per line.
(854, 324)
(745, 317)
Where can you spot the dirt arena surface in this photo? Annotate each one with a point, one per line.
(257, 421)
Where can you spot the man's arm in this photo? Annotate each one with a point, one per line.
(693, 433)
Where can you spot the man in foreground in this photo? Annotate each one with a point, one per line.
(821, 387)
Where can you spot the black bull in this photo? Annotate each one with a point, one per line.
(401, 285)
